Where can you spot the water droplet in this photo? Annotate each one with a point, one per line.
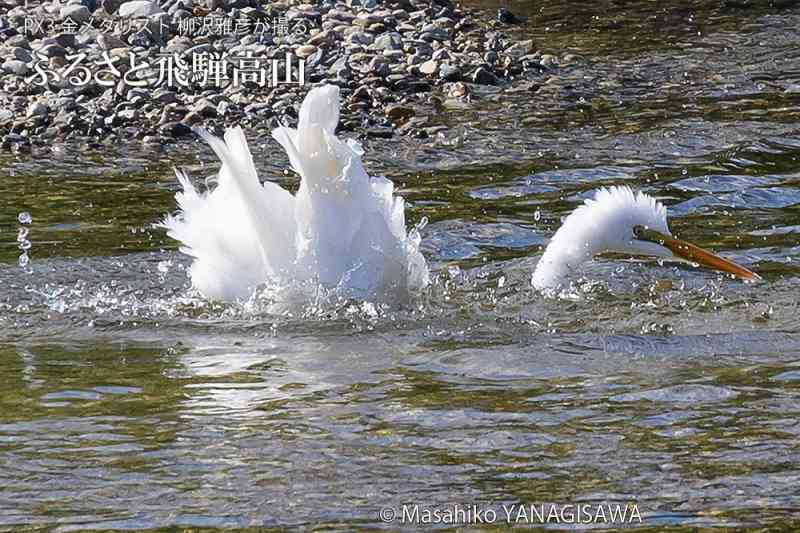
(22, 234)
(501, 282)
(684, 172)
(25, 218)
(24, 260)
(24, 244)
(537, 215)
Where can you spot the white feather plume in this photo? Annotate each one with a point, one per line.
(343, 229)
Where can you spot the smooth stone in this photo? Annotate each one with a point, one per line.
(15, 66)
(520, 49)
(320, 38)
(449, 73)
(389, 41)
(77, 13)
(37, 109)
(429, 68)
(139, 9)
(108, 41)
(306, 50)
(18, 40)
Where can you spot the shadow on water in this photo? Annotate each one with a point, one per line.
(129, 402)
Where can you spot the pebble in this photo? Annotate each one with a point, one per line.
(484, 76)
(306, 50)
(36, 109)
(429, 68)
(15, 66)
(108, 41)
(53, 50)
(139, 9)
(385, 55)
(505, 16)
(76, 13)
(110, 6)
(389, 41)
(397, 112)
(450, 73)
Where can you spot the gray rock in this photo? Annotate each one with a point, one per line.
(67, 40)
(306, 50)
(37, 109)
(549, 61)
(519, 49)
(378, 66)
(204, 108)
(108, 41)
(15, 66)
(53, 50)
(110, 6)
(163, 97)
(450, 73)
(77, 13)
(139, 9)
(360, 37)
(18, 40)
(389, 41)
(128, 115)
(175, 129)
(322, 37)
(62, 104)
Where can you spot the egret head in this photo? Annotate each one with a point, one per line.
(618, 220)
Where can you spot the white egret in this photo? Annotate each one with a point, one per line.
(619, 220)
(343, 229)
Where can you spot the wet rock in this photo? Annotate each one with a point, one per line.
(380, 133)
(398, 113)
(548, 61)
(175, 129)
(484, 76)
(36, 109)
(449, 72)
(505, 16)
(520, 49)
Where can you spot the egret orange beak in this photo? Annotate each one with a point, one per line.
(693, 254)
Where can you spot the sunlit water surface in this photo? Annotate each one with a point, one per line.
(128, 402)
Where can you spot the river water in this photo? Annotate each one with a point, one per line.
(128, 402)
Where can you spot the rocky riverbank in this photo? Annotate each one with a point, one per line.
(143, 70)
